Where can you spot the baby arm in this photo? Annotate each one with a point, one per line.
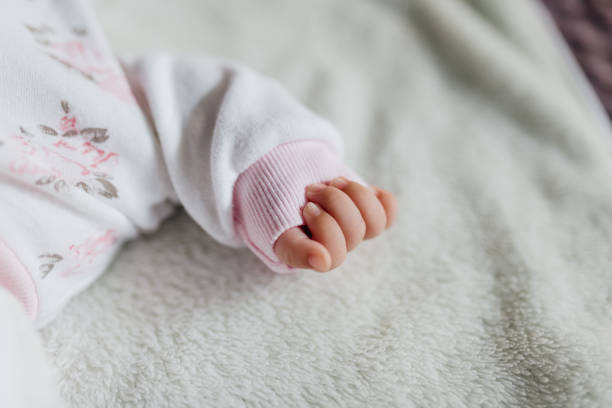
(240, 152)
(83, 168)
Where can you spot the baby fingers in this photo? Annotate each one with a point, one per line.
(371, 209)
(339, 216)
(342, 209)
(389, 202)
(295, 249)
(325, 230)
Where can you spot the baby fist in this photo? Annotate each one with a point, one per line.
(338, 216)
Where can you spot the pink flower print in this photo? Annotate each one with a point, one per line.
(78, 256)
(116, 85)
(86, 253)
(80, 53)
(71, 49)
(64, 144)
(67, 123)
(50, 261)
(24, 166)
(54, 155)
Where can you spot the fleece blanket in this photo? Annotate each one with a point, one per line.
(494, 288)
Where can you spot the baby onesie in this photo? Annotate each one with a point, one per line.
(94, 151)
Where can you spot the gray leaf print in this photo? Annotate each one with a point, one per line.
(60, 186)
(66, 64)
(1, 142)
(80, 31)
(110, 191)
(98, 135)
(48, 130)
(65, 107)
(45, 269)
(25, 132)
(39, 30)
(53, 258)
(87, 75)
(83, 186)
(32, 29)
(70, 133)
(45, 180)
(42, 41)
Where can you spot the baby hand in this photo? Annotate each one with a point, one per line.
(339, 216)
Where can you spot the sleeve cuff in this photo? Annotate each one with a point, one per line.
(270, 194)
(16, 279)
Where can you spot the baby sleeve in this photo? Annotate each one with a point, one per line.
(238, 148)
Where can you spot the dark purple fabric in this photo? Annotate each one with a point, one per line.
(587, 27)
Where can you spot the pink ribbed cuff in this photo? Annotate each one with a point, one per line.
(16, 279)
(270, 194)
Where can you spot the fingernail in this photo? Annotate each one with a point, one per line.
(315, 188)
(339, 182)
(312, 210)
(316, 262)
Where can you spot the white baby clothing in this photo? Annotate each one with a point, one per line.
(94, 151)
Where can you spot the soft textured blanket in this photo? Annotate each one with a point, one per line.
(495, 285)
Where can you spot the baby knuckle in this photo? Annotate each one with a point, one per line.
(379, 225)
(357, 226)
(329, 193)
(354, 189)
(375, 225)
(339, 259)
(361, 228)
(355, 238)
(335, 197)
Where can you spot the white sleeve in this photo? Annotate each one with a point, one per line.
(215, 119)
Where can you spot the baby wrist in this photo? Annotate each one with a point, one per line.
(270, 194)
